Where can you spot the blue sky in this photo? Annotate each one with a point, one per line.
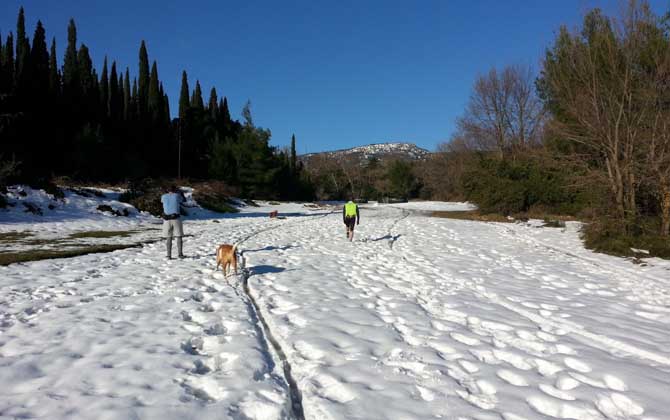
(336, 73)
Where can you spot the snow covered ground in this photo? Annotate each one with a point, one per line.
(418, 318)
(73, 214)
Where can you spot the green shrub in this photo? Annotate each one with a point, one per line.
(608, 236)
(511, 187)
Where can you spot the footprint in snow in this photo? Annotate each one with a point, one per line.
(468, 341)
(511, 377)
(562, 410)
(577, 365)
(618, 406)
(556, 393)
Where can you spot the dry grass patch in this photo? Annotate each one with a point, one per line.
(7, 258)
(14, 236)
(473, 215)
(102, 234)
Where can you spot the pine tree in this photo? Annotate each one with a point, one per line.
(154, 101)
(196, 99)
(294, 158)
(143, 81)
(126, 96)
(54, 79)
(70, 73)
(184, 103)
(213, 106)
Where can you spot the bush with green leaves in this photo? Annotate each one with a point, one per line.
(517, 186)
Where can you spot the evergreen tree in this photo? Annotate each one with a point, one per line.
(114, 101)
(70, 67)
(154, 101)
(54, 79)
(196, 99)
(135, 101)
(22, 48)
(143, 81)
(104, 89)
(2, 68)
(166, 106)
(85, 71)
(39, 64)
(294, 159)
(8, 60)
(225, 112)
(213, 104)
(126, 96)
(184, 103)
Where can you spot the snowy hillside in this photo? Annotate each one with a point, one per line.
(381, 151)
(418, 318)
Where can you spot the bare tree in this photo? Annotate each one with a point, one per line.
(504, 113)
(526, 115)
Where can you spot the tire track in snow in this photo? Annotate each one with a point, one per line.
(264, 329)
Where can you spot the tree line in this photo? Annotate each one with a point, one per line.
(109, 125)
(589, 136)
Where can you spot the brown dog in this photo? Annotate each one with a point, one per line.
(225, 256)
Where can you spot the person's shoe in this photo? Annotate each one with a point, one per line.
(168, 257)
(182, 256)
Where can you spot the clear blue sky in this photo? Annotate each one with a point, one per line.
(336, 73)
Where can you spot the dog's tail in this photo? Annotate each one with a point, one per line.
(234, 248)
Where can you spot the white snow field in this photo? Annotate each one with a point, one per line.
(418, 318)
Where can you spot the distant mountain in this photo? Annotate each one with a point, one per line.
(381, 151)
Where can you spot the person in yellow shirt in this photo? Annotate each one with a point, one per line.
(352, 217)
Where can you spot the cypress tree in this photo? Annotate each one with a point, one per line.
(143, 82)
(184, 103)
(166, 105)
(155, 97)
(2, 64)
(70, 74)
(114, 94)
(294, 158)
(54, 79)
(126, 96)
(196, 100)
(2, 60)
(213, 104)
(134, 100)
(22, 48)
(8, 60)
(104, 89)
(225, 113)
(85, 71)
(39, 64)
